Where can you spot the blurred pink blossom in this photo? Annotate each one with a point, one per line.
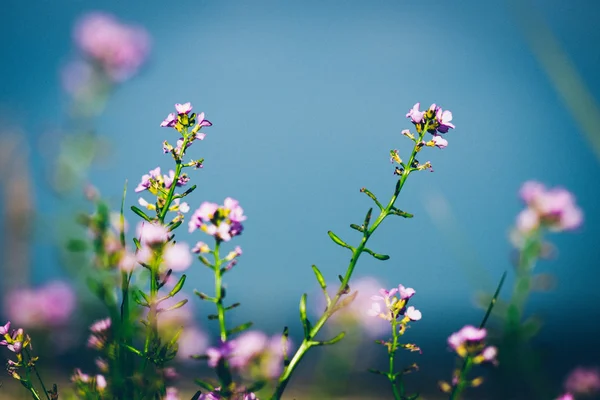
(118, 49)
(48, 306)
(584, 381)
(191, 342)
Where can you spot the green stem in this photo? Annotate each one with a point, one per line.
(392, 353)
(30, 385)
(307, 343)
(219, 294)
(461, 382)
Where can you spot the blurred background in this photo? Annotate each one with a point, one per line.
(306, 100)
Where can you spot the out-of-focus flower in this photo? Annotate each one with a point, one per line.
(48, 306)
(554, 209)
(118, 49)
(394, 307)
(470, 341)
(223, 222)
(172, 394)
(566, 396)
(100, 333)
(583, 381)
(215, 354)
(177, 256)
(152, 234)
(191, 342)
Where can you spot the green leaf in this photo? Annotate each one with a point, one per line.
(303, 317)
(77, 245)
(320, 278)
(141, 213)
(377, 372)
(368, 218)
(132, 349)
(175, 225)
(358, 228)
(204, 296)
(138, 299)
(205, 261)
(178, 286)
(231, 307)
(285, 337)
(240, 328)
(381, 257)
(334, 340)
(372, 196)
(493, 302)
(179, 304)
(531, 327)
(137, 243)
(337, 240)
(190, 190)
(223, 373)
(400, 213)
(346, 301)
(204, 385)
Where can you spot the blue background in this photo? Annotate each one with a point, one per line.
(307, 98)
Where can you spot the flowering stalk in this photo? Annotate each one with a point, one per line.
(433, 121)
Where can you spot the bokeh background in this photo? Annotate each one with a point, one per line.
(307, 98)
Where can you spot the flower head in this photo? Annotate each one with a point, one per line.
(222, 222)
(583, 381)
(183, 108)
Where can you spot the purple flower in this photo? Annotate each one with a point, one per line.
(222, 222)
(169, 122)
(489, 353)
(406, 293)
(215, 354)
(172, 394)
(191, 342)
(183, 108)
(200, 247)
(415, 115)
(147, 180)
(101, 327)
(4, 329)
(15, 347)
(202, 121)
(444, 118)
(566, 396)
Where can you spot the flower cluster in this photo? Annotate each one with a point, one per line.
(583, 382)
(223, 222)
(216, 395)
(100, 334)
(155, 246)
(86, 384)
(181, 121)
(16, 341)
(554, 209)
(159, 185)
(118, 49)
(253, 354)
(470, 341)
(50, 305)
(395, 307)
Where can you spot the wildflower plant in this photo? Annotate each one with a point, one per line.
(140, 285)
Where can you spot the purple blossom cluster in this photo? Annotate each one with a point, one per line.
(470, 341)
(221, 221)
(435, 120)
(216, 395)
(252, 352)
(50, 305)
(554, 209)
(118, 49)
(394, 306)
(181, 121)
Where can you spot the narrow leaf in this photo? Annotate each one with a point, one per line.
(320, 278)
(377, 372)
(337, 240)
(190, 190)
(231, 307)
(212, 317)
(178, 286)
(204, 296)
(174, 226)
(303, 317)
(493, 302)
(356, 227)
(204, 385)
(240, 328)
(141, 213)
(368, 218)
(372, 196)
(334, 340)
(381, 257)
(177, 305)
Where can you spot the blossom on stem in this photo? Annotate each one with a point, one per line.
(470, 341)
(554, 209)
(583, 381)
(223, 222)
(394, 307)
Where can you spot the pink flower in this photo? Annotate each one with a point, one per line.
(553, 208)
(152, 233)
(439, 141)
(102, 326)
(119, 49)
(172, 394)
(177, 257)
(406, 293)
(169, 122)
(191, 342)
(444, 118)
(414, 114)
(583, 381)
(467, 334)
(566, 396)
(223, 222)
(489, 353)
(183, 108)
(203, 122)
(100, 383)
(215, 354)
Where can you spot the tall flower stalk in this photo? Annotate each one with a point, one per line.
(434, 121)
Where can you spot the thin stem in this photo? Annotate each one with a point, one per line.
(460, 379)
(307, 343)
(392, 353)
(219, 294)
(30, 386)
